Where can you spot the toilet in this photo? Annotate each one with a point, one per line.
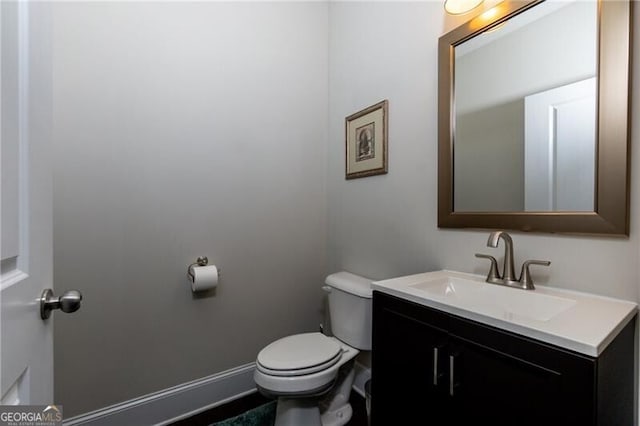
(312, 374)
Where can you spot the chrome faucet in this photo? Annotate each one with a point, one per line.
(508, 276)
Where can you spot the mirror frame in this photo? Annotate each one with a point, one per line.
(611, 215)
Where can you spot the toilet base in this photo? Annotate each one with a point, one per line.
(330, 409)
(335, 407)
(337, 417)
(297, 411)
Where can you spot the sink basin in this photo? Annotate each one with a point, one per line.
(494, 300)
(581, 322)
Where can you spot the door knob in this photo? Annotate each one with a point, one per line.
(68, 302)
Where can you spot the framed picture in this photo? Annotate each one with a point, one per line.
(366, 142)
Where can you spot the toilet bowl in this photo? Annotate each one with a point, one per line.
(312, 374)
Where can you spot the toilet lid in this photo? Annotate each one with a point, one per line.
(308, 352)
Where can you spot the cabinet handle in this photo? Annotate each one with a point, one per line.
(451, 374)
(435, 366)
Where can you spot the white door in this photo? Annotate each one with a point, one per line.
(26, 344)
(560, 148)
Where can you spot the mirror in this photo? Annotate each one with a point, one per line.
(533, 130)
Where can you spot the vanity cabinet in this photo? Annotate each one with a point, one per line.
(434, 368)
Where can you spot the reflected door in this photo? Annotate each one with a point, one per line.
(560, 148)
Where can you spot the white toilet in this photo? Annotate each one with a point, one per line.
(312, 374)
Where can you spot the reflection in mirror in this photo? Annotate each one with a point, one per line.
(562, 93)
(525, 112)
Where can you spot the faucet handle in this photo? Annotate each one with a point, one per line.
(494, 275)
(525, 275)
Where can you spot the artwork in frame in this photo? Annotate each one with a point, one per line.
(366, 142)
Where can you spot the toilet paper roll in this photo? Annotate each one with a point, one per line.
(204, 278)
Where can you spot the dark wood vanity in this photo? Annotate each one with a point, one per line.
(434, 368)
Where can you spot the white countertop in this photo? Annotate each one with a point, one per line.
(587, 326)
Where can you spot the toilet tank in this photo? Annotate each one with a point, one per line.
(350, 309)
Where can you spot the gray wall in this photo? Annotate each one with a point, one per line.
(185, 129)
(386, 226)
(489, 159)
(556, 53)
(158, 162)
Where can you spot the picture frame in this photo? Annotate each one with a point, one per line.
(366, 146)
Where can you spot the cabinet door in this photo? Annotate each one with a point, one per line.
(408, 366)
(503, 379)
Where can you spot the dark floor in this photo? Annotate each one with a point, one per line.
(239, 406)
(358, 404)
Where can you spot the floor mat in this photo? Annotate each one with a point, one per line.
(264, 415)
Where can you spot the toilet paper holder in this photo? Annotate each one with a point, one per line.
(200, 261)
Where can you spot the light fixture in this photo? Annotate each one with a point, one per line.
(458, 7)
(489, 14)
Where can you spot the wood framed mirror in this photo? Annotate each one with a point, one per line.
(533, 131)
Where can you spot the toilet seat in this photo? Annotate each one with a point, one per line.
(295, 382)
(298, 355)
(300, 371)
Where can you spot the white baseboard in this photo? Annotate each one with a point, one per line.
(172, 404)
(188, 399)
